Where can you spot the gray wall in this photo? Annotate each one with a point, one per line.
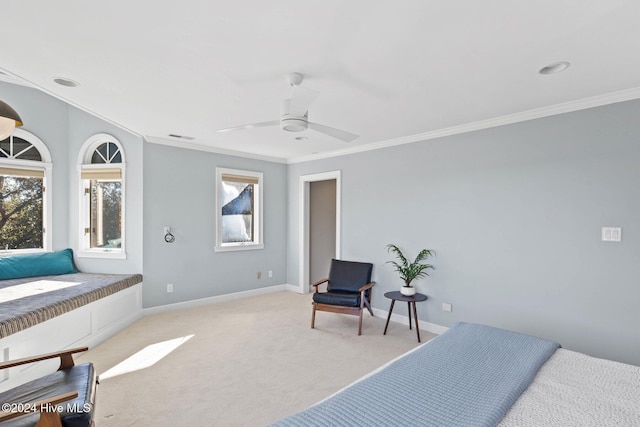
(179, 192)
(81, 127)
(47, 118)
(514, 214)
(64, 129)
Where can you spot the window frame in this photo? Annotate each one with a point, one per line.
(84, 219)
(258, 220)
(46, 166)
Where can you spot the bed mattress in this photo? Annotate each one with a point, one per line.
(576, 390)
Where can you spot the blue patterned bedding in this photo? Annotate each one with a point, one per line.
(468, 376)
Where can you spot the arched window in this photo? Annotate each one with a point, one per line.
(25, 196)
(102, 172)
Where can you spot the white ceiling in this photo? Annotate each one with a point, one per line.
(389, 71)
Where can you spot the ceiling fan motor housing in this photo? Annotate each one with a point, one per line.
(290, 122)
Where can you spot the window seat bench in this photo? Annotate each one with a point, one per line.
(50, 313)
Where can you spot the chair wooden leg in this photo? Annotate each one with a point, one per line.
(313, 316)
(369, 307)
(49, 419)
(363, 301)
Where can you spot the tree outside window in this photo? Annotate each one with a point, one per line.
(21, 220)
(22, 201)
(102, 206)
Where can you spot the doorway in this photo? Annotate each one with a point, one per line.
(319, 226)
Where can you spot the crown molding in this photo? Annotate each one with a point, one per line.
(536, 113)
(8, 77)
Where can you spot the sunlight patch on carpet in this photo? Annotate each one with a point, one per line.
(145, 358)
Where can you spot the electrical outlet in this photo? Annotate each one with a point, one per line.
(446, 307)
(259, 275)
(169, 287)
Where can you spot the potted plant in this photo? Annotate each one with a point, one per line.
(410, 271)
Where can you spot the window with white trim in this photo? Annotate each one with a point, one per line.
(102, 197)
(25, 216)
(238, 210)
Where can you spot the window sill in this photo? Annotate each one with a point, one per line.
(106, 254)
(242, 247)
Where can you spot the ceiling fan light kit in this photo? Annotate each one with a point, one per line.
(294, 124)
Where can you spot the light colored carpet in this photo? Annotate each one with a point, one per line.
(250, 362)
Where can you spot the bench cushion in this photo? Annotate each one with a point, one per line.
(24, 312)
(77, 412)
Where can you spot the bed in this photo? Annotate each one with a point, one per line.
(477, 375)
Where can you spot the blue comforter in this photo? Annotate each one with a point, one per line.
(468, 376)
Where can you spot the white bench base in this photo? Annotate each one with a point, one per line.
(88, 325)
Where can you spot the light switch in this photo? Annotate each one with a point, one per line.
(611, 234)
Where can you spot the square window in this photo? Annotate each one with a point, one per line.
(238, 210)
(21, 206)
(105, 206)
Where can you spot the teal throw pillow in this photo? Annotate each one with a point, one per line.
(33, 265)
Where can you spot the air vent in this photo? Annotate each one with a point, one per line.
(189, 138)
(556, 67)
(62, 81)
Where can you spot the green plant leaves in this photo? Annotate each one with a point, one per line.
(411, 271)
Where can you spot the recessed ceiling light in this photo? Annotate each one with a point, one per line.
(302, 138)
(66, 82)
(554, 68)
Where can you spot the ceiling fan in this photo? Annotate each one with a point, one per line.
(295, 113)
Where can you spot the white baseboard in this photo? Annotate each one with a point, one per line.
(295, 288)
(214, 300)
(398, 318)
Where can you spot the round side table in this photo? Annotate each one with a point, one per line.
(411, 301)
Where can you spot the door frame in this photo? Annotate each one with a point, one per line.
(305, 189)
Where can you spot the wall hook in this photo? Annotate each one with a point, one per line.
(168, 237)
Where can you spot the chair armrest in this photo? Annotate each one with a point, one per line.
(367, 286)
(66, 360)
(46, 407)
(318, 283)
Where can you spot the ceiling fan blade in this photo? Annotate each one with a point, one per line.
(251, 126)
(301, 100)
(335, 133)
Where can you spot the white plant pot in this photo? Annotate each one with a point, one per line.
(408, 291)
